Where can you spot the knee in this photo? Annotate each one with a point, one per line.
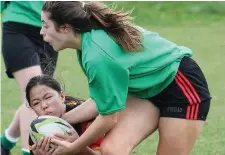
(108, 148)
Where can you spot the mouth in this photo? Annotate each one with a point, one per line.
(48, 113)
(49, 42)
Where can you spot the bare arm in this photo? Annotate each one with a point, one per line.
(71, 138)
(98, 128)
(86, 111)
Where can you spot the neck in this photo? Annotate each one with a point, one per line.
(75, 42)
(64, 110)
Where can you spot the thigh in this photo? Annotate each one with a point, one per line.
(177, 136)
(138, 120)
(23, 76)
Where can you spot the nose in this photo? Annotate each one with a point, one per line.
(42, 32)
(44, 105)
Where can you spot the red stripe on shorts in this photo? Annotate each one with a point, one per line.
(190, 93)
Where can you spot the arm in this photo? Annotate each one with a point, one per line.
(73, 136)
(98, 128)
(86, 111)
(108, 85)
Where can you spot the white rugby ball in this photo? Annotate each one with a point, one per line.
(47, 126)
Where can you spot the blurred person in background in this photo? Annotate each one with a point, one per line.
(25, 55)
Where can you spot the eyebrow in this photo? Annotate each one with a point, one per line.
(46, 94)
(34, 100)
(43, 96)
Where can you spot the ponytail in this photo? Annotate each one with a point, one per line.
(116, 24)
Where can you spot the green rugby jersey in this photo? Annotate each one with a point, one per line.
(26, 12)
(113, 73)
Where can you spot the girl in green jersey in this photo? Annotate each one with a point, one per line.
(138, 81)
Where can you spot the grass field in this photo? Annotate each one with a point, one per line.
(208, 45)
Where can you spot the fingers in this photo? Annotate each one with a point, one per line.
(55, 152)
(51, 151)
(47, 144)
(60, 136)
(40, 143)
(57, 142)
(44, 143)
(70, 132)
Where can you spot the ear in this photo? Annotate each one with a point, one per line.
(62, 96)
(67, 27)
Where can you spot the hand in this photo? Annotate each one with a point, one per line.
(71, 138)
(42, 147)
(63, 147)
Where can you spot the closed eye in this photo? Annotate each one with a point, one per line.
(48, 97)
(35, 103)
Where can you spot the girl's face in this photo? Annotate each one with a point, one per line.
(57, 39)
(46, 101)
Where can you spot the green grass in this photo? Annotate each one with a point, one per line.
(208, 44)
(174, 13)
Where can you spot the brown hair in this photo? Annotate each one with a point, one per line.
(51, 83)
(96, 15)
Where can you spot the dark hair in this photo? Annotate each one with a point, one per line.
(51, 83)
(96, 15)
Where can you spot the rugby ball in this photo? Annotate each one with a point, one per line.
(47, 126)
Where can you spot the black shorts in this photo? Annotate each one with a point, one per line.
(187, 96)
(23, 47)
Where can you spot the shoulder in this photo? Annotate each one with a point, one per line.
(97, 42)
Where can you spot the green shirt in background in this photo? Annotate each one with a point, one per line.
(113, 73)
(26, 12)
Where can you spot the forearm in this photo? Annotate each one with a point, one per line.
(98, 128)
(86, 111)
(89, 151)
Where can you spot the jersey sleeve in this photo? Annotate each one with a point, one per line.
(108, 85)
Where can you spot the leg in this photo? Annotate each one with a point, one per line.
(184, 106)
(14, 127)
(138, 121)
(23, 61)
(177, 136)
(26, 115)
(21, 121)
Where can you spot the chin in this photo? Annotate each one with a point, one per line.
(57, 49)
